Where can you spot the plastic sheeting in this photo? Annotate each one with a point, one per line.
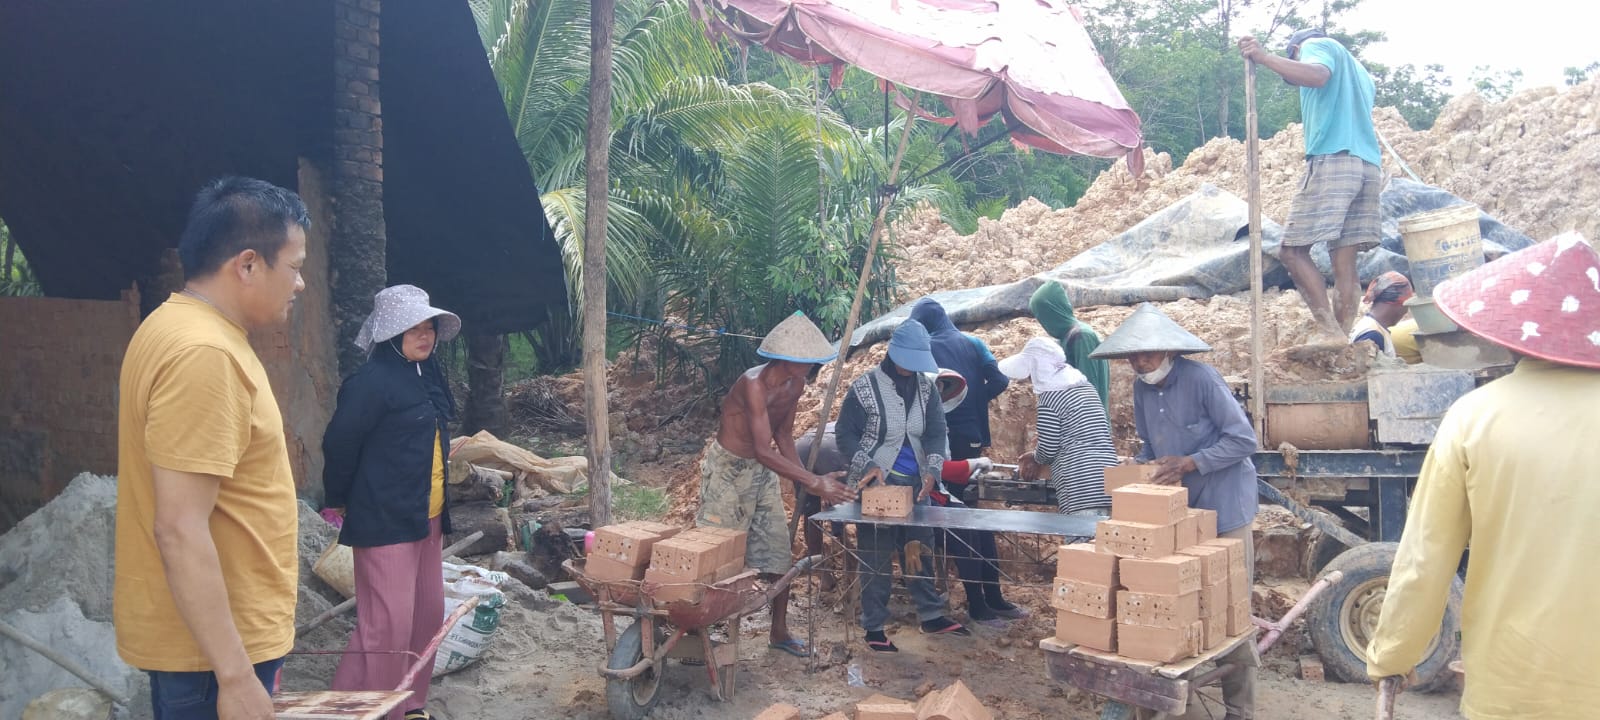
(1195, 248)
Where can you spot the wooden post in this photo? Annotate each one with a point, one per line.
(596, 193)
(1258, 381)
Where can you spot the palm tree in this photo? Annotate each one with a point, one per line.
(731, 204)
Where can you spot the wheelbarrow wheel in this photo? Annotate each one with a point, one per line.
(632, 699)
(1342, 619)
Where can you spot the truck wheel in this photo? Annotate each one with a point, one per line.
(632, 699)
(1342, 619)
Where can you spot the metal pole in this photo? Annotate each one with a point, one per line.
(1258, 381)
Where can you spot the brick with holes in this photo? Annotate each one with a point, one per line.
(1157, 610)
(1134, 539)
(1084, 598)
(1173, 574)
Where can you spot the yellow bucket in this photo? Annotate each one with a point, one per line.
(1441, 244)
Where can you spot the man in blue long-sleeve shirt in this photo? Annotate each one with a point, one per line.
(1194, 431)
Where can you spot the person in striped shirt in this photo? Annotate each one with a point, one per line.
(1074, 433)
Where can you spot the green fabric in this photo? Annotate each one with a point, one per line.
(1053, 309)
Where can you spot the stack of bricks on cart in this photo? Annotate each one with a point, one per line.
(680, 563)
(1157, 584)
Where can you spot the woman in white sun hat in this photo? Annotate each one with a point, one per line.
(1074, 434)
(384, 454)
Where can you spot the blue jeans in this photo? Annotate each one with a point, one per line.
(193, 695)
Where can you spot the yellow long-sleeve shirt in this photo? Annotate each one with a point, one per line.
(1515, 469)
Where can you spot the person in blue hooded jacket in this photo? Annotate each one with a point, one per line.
(968, 429)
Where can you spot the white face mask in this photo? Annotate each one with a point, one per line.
(1154, 377)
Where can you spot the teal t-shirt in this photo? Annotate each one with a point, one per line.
(1338, 115)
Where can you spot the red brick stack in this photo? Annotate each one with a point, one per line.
(1157, 584)
(682, 563)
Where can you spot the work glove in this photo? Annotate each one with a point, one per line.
(978, 466)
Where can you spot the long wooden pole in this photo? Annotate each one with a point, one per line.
(855, 310)
(1258, 382)
(596, 193)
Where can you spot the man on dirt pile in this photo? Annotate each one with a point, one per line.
(1338, 202)
(754, 447)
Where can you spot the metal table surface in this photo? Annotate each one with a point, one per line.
(949, 518)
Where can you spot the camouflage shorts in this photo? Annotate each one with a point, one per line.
(742, 494)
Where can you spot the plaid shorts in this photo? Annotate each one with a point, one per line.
(1337, 204)
(742, 494)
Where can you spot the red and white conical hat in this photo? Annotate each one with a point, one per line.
(1542, 301)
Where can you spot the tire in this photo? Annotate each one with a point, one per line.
(1322, 550)
(1340, 620)
(633, 699)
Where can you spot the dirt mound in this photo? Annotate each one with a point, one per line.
(1530, 161)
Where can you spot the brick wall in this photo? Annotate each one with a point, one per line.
(58, 394)
(300, 360)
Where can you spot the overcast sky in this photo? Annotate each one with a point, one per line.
(1539, 37)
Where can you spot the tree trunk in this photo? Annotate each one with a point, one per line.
(486, 376)
(597, 186)
(357, 249)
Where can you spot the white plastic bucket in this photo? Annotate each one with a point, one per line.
(1441, 244)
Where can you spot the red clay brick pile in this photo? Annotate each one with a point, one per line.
(954, 702)
(681, 563)
(1157, 584)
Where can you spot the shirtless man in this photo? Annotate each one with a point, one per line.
(754, 447)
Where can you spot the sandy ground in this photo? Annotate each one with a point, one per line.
(543, 662)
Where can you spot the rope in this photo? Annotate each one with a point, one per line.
(677, 326)
(1398, 160)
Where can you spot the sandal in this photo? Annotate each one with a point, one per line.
(879, 642)
(793, 646)
(418, 714)
(944, 626)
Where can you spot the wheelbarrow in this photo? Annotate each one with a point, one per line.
(1140, 690)
(638, 654)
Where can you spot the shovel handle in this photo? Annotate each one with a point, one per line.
(1388, 690)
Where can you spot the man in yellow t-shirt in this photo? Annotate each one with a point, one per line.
(206, 565)
(1512, 471)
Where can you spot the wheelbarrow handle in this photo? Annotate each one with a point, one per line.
(1388, 690)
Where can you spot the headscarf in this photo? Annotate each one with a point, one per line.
(1053, 309)
(1390, 287)
(1042, 361)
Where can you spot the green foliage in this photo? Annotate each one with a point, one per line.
(16, 277)
(1419, 95)
(731, 205)
(1494, 85)
(1576, 76)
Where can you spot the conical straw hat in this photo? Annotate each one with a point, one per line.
(1542, 301)
(797, 339)
(1149, 330)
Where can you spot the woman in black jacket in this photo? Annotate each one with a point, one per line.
(384, 454)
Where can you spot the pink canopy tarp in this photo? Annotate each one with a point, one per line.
(1030, 61)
